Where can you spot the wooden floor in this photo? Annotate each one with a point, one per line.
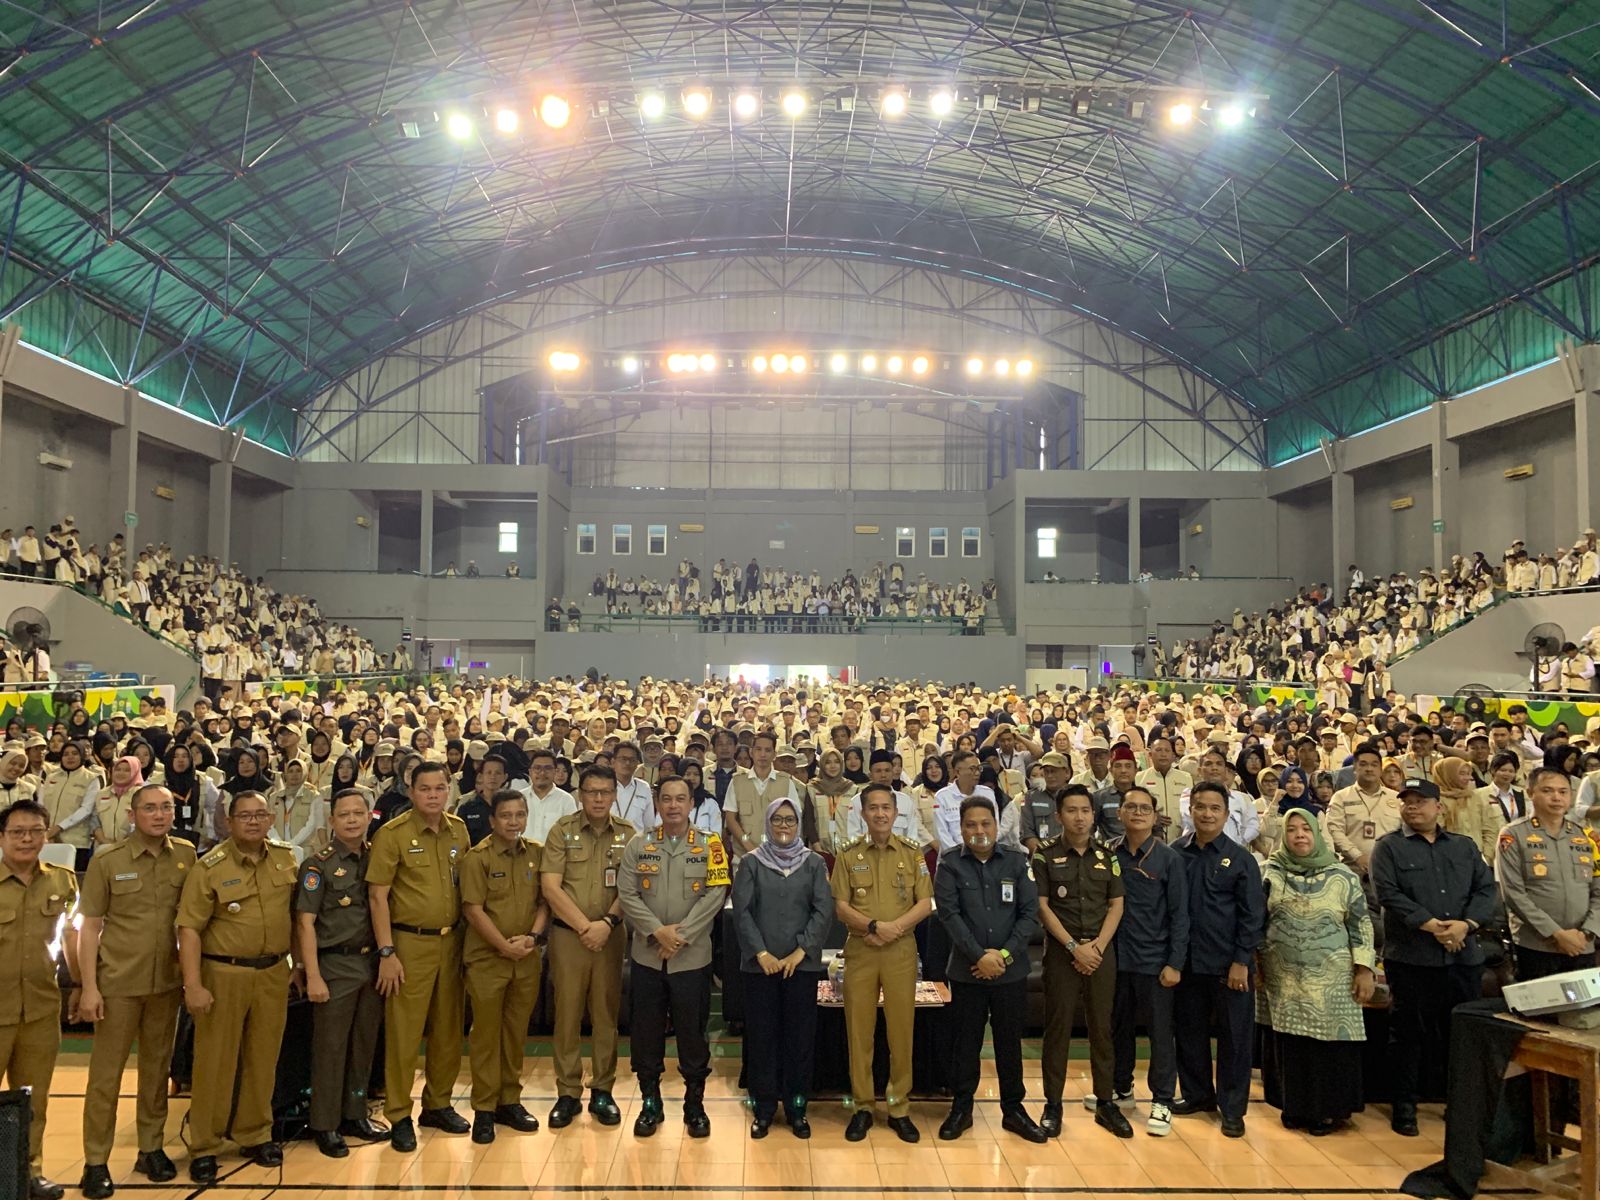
(588, 1160)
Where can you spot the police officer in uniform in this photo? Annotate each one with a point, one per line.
(881, 892)
(506, 917)
(36, 906)
(672, 885)
(1080, 905)
(416, 922)
(333, 927)
(131, 984)
(578, 872)
(233, 946)
(1549, 873)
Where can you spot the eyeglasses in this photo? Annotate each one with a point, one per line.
(252, 816)
(1137, 808)
(597, 792)
(157, 808)
(784, 822)
(26, 833)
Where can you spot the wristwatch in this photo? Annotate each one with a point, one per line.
(385, 951)
(612, 920)
(872, 928)
(1006, 955)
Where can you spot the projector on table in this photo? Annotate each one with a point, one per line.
(1571, 997)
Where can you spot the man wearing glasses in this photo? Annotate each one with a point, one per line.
(547, 803)
(36, 906)
(233, 948)
(131, 984)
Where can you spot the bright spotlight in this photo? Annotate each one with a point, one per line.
(758, 364)
(919, 365)
(746, 105)
(1002, 367)
(652, 106)
(675, 363)
(458, 126)
(564, 361)
(974, 366)
(794, 104)
(1024, 367)
(630, 365)
(838, 364)
(696, 102)
(894, 365)
(780, 364)
(941, 102)
(869, 363)
(1180, 114)
(1231, 115)
(554, 111)
(708, 363)
(506, 120)
(893, 104)
(798, 364)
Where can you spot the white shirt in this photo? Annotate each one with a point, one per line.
(707, 817)
(543, 813)
(635, 803)
(947, 812)
(1243, 823)
(906, 822)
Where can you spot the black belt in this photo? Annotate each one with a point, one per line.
(429, 931)
(345, 949)
(260, 963)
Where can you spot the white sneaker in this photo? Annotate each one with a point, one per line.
(1124, 1101)
(1160, 1122)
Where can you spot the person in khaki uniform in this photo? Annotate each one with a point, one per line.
(1362, 813)
(333, 937)
(578, 875)
(233, 947)
(506, 916)
(1548, 869)
(881, 892)
(412, 887)
(36, 906)
(131, 984)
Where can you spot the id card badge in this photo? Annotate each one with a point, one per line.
(611, 877)
(1368, 829)
(1008, 892)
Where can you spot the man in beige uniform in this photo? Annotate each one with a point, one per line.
(1363, 812)
(233, 947)
(131, 984)
(578, 876)
(1166, 784)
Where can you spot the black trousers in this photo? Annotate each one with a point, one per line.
(1198, 1001)
(780, 1037)
(1419, 1019)
(1002, 1008)
(1141, 1000)
(686, 995)
(1065, 990)
(1537, 964)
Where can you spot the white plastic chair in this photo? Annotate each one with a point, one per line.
(59, 854)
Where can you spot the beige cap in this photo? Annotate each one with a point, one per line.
(1095, 743)
(476, 750)
(1055, 759)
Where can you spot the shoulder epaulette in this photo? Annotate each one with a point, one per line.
(325, 853)
(908, 843)
(215, 857)
(280, 844)
(851, 845)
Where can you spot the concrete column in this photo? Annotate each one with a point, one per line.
(1135, 543)
(425, 546)
(1586, 444)
(1344, 526)
(219, 517)
(123, 494)
(1446, 489)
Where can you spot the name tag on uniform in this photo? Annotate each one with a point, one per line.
(127, 875)
(1008, 892)
(611, 877)
(415, 850)
(1368, 829)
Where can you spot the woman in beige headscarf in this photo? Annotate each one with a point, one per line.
(1465, 811)
(831, 792)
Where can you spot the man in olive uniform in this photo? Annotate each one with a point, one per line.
(506, 916)
(1037, 822)
(131, 986)
(1080, 905)
(1548, 869)
(36, 906)
(233, 947)
(416, 922)
(334, 937)
(881, 893)
(672, 885)
(578, 871)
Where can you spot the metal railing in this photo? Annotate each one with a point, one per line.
(1501, 596)
(777, 623)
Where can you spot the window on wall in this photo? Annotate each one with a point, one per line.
(905, 542)
(1047, 541)
(622, 539)
(971, 542)
(938, 542)
(655, 540)
(586, 539)
(508, 537)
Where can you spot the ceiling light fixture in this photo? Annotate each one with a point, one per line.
(554, 111)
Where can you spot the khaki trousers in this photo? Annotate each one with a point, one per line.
(503, 995)
(238, 1040)
(584, 980)
(893, 968)
(428, 1004)
(152, 1021)
(28, 1060)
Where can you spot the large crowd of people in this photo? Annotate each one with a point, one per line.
(1343, 645)
(1188, 864)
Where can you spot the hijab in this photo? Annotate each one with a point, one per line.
(180, 783)
(831, 785)
(236, 783)
(785, 860)
(1447, 773)
(133, 784)
(1321, 857)
(1287, 803)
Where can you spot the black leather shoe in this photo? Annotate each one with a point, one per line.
(203, 1169)
(483, 1128)
(604, 1108)
(760, 1127)
(516, 1117)
(649, 1118)
(155, 1166)
(363, 1130)
(565, 1112)
(330, 1143)
(445, 1120)
(1405, 1124)
(40, 1188)
(904, 1129)
(1232, 1127)
(1108, 1116)
(96, 1183)
(695, 1121)
(1050, 1119)
(1188, 1108)
(403, 1135)
(800, 1127)
(859, 1124)
(1018, 1121)
(957, 1123)
(267, 1154)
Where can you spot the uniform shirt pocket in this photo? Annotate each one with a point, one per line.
(125, 887)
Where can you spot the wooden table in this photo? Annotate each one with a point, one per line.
(1548, 1049)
